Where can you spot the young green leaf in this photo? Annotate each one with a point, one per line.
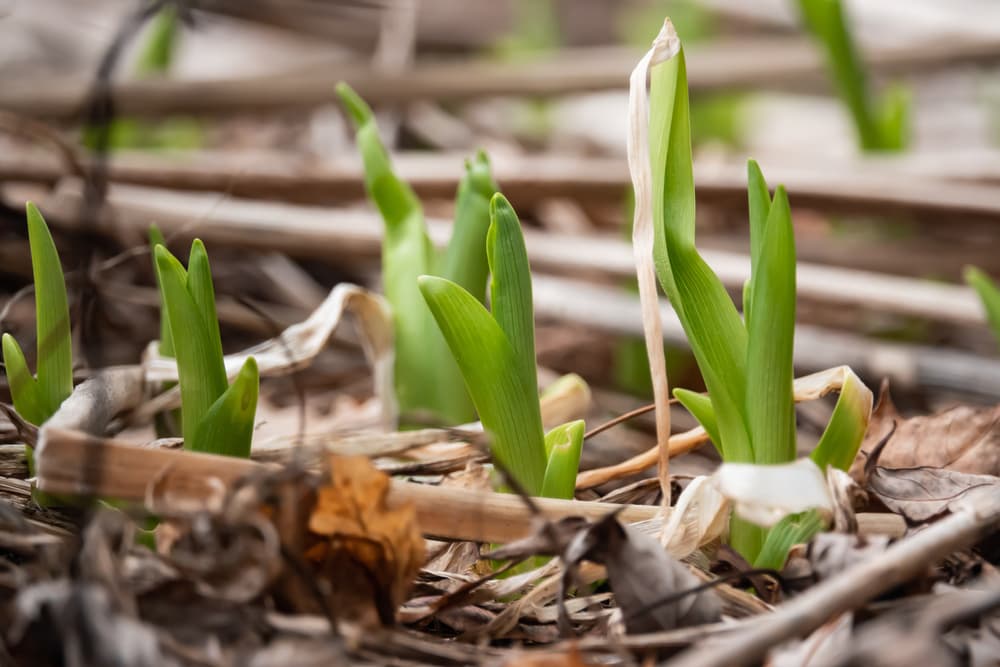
(878, 129)
(563, 446)
(770, 409)
(464, 261)
(227, 427)
(506, 402)
(55, 353)
(425, 376)
(510, 292)
(166, 342)
(711, 322)
(848, 423)
(23, 386)
(793, 529)
(989, 294)
(759, 207)
(199, 355)
(700, 407)
(161, 43)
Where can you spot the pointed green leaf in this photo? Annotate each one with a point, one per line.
(770, 408)
(848, 423)
(506, 402)
(464, 261)
(23, 386)
(759, 206)
(425, 377)
(793, 529)
(55, 349)
(166, 342)
(563, 445)
(510, 292)
(202, 291)
(826, 20)
(199, 359)
(700, 407)
(989, 294)
(159, 48)
(227, 427)
(710, 319)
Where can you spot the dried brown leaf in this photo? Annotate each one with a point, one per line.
(644, 578)
(369, 553)
(963, 438)
(920, 494)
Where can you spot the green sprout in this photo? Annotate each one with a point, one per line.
(881, 125)
(746, 362)
(427, 379)
(37, 398)
(496, 354)
(989, 295)
(217, 417)
(156, 55)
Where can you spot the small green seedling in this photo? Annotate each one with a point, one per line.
(882, 125)
(496, 354)
(216, 417)
(156, 56)
(37, 398)
(427, 379)
(989, 294)
(746, 363)
(167, 424)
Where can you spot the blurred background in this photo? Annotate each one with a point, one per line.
(218, 119)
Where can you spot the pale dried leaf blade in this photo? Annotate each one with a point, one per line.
(664, 46)
(700, 516)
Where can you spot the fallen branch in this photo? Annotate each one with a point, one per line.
(70, 462)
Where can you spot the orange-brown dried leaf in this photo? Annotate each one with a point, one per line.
(368, 553)
(963, 439)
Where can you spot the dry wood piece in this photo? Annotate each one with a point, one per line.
(764, 62)
(527, 180)
(73, 463)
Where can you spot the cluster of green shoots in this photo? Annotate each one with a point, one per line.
(428, 383)
(455, 358)
(746, 362)
(881, 124)
(216, 417)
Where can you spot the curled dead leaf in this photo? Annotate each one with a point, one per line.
(920, 494)
(963, 438)
(367, 552)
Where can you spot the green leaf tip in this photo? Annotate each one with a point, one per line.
(563, 446)
(358, 110)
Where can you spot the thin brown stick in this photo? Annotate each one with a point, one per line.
(601, 428)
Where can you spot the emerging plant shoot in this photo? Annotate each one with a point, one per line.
(427, 379)
(496, 354)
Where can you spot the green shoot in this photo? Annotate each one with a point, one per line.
(216, 417)
(37, 398)
(989, 294)
(496, 354)
(881, 125)
(746, 363)
(427, 378)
